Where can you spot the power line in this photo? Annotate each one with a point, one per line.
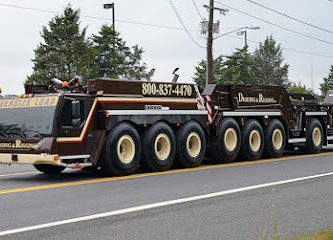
(276, 25)
(196, 7)
(154, 25)
(287, 49)
(290, 17)
(97, 18)
(27, 8)
(183, 24)
(141, 23)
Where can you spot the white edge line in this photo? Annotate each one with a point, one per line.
(158, 205)
(17, 174)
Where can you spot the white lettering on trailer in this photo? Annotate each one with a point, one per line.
(259, 99)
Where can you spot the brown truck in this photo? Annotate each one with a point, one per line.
(118, 126)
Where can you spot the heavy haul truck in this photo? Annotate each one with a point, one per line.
(118, 126)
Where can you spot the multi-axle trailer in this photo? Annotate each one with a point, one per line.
(118, 126)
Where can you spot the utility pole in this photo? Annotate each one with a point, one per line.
(211, 29)
(210, 64)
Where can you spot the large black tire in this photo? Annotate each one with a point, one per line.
(122, 152)
(275, 139)
(252, 141)
(191, 145)
(228, 142)
(314, 136)
(49, 169)
(159, 147)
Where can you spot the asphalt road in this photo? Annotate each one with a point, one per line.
(28, 198)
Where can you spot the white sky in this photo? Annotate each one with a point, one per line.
(166, 49)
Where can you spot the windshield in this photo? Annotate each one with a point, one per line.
(27, 117)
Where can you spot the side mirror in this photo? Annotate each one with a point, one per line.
(76, 114)
(76, 123)
(76, 110)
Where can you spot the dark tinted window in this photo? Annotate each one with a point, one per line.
(66, 115)
(38, 119)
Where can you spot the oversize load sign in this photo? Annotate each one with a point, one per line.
(29, 102)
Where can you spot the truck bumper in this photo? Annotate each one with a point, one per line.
(8, 158)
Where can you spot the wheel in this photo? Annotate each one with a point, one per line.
(191, 145)
(159, 147)
(314, 136)
(252, 141)
(49, 169)
(275, 139)
(228, 142)
(122, 153)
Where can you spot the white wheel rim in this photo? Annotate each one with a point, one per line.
(230, 139)
(277, 139)
(126, 149)
(316, 136)
(193, 144)
(162, 146)
(255, 140)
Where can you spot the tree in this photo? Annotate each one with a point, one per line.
(65, 51)
(115, 59)
(300, 88)
(237, 68)
(269, 68)
(327, 84)
(201, 72)
(135, 68)
(110, 53)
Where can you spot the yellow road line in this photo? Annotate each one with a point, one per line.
(111, 179)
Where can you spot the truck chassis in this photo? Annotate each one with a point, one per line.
(119, 126)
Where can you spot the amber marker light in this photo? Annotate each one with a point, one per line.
(65, 84)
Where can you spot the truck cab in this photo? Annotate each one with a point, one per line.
(30, 126)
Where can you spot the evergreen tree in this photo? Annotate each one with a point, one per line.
(200, 74)
(135, 68)
(115, 59)
(65, 51)
(327, 84)
(238, 68)
(111, 52)
(300, 88)
(269, 68)
(218, 72)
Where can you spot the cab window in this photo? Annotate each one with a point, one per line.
(67, 114)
